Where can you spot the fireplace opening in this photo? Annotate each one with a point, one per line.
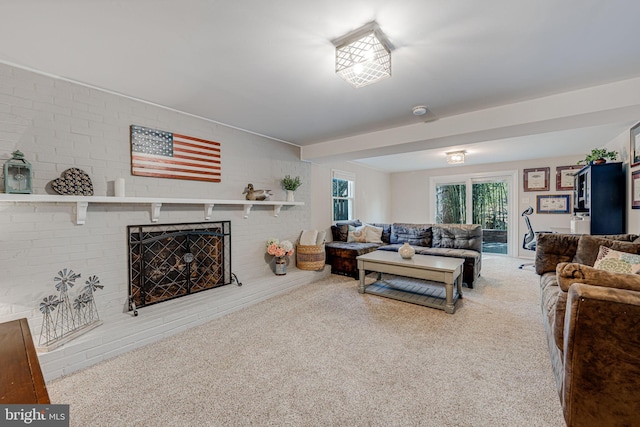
(169, 261)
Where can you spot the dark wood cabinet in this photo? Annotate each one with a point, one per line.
(21, 380)
(600, 192)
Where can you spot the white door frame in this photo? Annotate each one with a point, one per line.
(511, 176)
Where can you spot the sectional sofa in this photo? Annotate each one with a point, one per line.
(354, 238)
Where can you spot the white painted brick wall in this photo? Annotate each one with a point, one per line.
(57, 125)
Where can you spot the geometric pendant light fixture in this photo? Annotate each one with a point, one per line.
(363, 56)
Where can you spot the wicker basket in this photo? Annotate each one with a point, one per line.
(310, 257)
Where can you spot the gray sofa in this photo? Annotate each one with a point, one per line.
(449, 240)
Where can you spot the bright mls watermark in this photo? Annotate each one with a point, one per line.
(34, 415)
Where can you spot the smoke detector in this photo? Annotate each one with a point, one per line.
(419, 110)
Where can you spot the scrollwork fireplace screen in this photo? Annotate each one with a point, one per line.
(172, 260)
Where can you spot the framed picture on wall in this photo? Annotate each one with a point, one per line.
(536, 179)
(554, 204)
(564, 177)
(635, 190)
(161, 154)
(635, 145)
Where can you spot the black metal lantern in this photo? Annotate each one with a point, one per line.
(18, 176)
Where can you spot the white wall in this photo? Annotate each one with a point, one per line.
(372, 201)
(57, 125)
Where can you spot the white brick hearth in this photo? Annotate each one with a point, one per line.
(123, 332)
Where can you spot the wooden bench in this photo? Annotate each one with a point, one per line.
(21, 380)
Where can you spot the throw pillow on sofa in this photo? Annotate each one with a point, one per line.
(373, 234)
(588, 248)
(386, 231)
(364, 234)
(357, 234)
(617, 262)
(340, 231)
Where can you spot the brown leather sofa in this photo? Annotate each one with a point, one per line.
(449, 240)
(592, 323)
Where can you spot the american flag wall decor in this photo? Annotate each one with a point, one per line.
(170, 155)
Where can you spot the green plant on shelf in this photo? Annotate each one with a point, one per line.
(291, 184)
(599, 154)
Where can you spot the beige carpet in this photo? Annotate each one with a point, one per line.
(325, 355)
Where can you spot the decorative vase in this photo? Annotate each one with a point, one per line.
(290, 197)
(281, 266)
(406, 251)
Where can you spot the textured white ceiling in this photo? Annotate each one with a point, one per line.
(267, 66)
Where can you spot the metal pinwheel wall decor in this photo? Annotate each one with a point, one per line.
(63, 318)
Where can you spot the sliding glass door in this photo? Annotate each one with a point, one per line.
(491, 210)
(478, 199)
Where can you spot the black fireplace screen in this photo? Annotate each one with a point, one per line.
(172, 260)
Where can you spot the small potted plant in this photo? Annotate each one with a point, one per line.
(598, 156)
(291, 185)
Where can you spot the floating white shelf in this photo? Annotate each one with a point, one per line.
(155, 203)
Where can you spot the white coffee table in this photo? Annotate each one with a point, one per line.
(437, 276)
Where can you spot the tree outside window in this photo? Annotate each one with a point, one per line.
(490, 207)
(451, 205)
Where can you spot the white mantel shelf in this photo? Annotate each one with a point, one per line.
(155, 203)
